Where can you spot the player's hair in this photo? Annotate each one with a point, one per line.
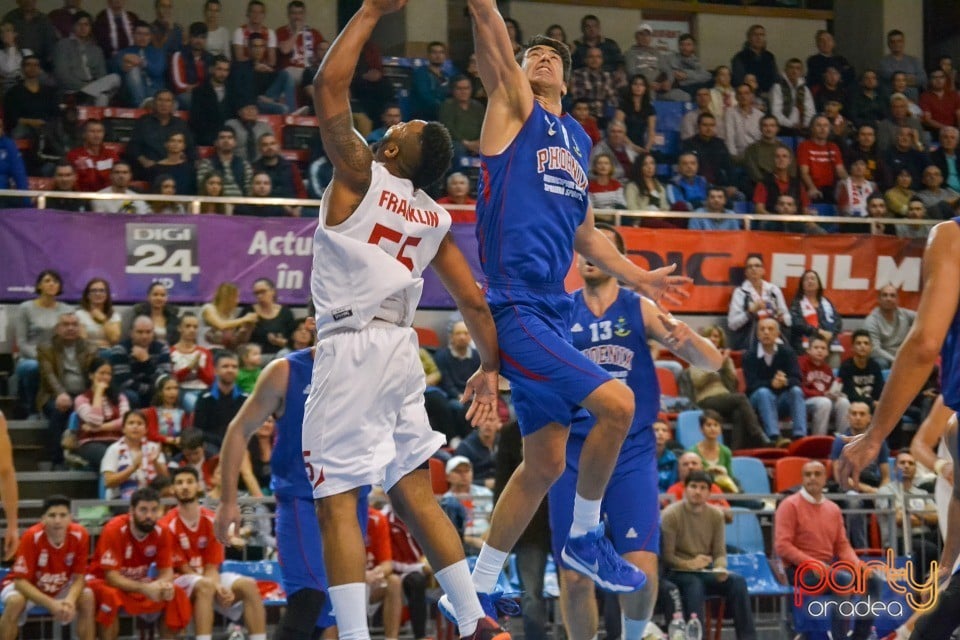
(144, 494)
(541, 40)
(860, 332)
(436, 153)
(710, 414)
(188, 470)
(56, 500)
(191, 439)
(698, 476)
(817, 338)
(617, 238)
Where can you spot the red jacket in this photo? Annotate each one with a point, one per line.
(93, 170)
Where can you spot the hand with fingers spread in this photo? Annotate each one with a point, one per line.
(858, 452)
(481, 388)
(660, 286)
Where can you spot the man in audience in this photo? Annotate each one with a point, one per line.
(431, 83)
(456, 363)
(30, 104)
(142, 66)
(867, 103)
(865, 148)
(888, 129)
(773, 382)
(591, 37)
(120, 177)
(592, 83)
(148, 140)
(940, 104)
(791, 100)
(262, 187)
(688, 124)
(190, 66)
(93, 161)
(830, 90)
(909, 498)
(643, 58)
(248, 130)
(62, 18)
(691, 462)
(820, 162)
(787, 205)
(391, 115)
(477, 499)
(298, 44)
(480, 447)
(897, 60)
(945, 157)
(716, 203)
(217, 407)
(713, 158)
(167, 34)
(581, 113)
(686, 70)
(285, 178)
(65, 180)
(64, 362)
(888, 325)
(113, 28)
(197, 557)
(237, 172)
(742, 122)
(193, 455)
(256, 80)
(809, 530)
(34, 30)
(826, 57)
(138, 361)
(905, 156)
(79, 65)
(758, 158)
(213, 103)
(255, 26)
(463, 118)
(618, 146)
(861, 375)
(754, 59)
(823, 392)
(218, 37)
(940, 202)
(695, 556)
(49, 571)
(687, 190)
(128, 547)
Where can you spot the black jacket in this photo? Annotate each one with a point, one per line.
(208, 114)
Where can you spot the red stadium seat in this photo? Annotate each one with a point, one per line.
(736, 356)
(812, 447)
(788, 473)
(122, 113)
(118, 147)
(205, 152)
(668, 383)
(741, 380)
(301, 121)
(846, 341)
(427, 337)
(438, 477)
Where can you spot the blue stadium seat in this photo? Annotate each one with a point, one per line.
(267, 570)
(790, 141)
(751, 474)
(33, 611)
(688, 428)
(755, 569)
(744, 533)
(743, 206)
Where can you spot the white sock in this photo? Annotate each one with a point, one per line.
(486, 572)
(205, 636)
(456, 583)
(586, 516)
(349, 603)
(255, 636)
(633, 629)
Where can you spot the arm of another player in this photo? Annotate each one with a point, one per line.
(266, 399)
(455, 274)
(917, 355)
(8, 492)
(679, 338)
(658, 285)
(925, 440)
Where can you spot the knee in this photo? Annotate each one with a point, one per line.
(204, 589)
(86, 601)
(616, 413)
(796, 394)
(576, 585)
(245, 589)
(544, 468)
(338, 508)
(15, 604)
(761, 395)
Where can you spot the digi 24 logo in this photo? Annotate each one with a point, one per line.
(166, 252)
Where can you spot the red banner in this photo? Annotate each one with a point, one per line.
(852, 267)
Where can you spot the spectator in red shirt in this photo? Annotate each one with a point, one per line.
(93, 161)
(197, 557)
(256, 15)
(691, 461)
(383, 584)
(820, 162)
(822, 391)
(128, 545)
(49, 572)
(940, 105)
(458, 192)
(581, 113)
(298, 44)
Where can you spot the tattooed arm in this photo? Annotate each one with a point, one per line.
(344, 146)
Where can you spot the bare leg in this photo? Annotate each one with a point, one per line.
(9, 621)
(639, 604)
(86, 609)
(111, 632)
(254, 615)
(578, 603)
(202, 596)
(343, 550)
(612, 405)
(392, 608)
(412, 498)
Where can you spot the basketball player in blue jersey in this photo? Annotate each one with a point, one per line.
(610, 326)
(935, 332)
(532, 212)
(280, 392)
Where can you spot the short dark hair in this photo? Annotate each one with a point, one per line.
(617, 238)
(141, 24)
(28, 57)
(698, 476)
(53, 273)
(686, 36)
(55, 500)
(587, 17)
(769, 117)
(256, 35)
(540, 40)
(794, 61)
(296, 4)
(220, 58)
(254, 3)
(224, 355)
(704, 115)
(460, 78)
(436, 153)
(437, 43)
(191, 439)
(144, 494)
(80, 15)
(716, 187)
(198, 29)
(892, 33)
(187, 470)
(861, 332)
(710, 414)
(817, 338)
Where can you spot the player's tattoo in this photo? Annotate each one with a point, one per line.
(348, 151)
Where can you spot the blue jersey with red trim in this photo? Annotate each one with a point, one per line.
(950, 361)
(531, 199)
(617, 341)
(288, 475)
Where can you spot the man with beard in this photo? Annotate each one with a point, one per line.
(128, 545)
(197, 557)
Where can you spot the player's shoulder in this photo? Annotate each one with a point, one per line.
(78, 532)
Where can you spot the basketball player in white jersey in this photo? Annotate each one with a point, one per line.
(365, 422)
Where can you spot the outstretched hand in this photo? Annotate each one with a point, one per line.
(661, 287)
(385, 6)
(858, 452)
(482, 389)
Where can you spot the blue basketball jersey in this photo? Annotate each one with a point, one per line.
(288, 476)
(617, 341)
(531, 199)
(950, 361)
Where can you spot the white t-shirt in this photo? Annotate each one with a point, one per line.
(133, 205)
(118, 457)
(218, 42)
(241, 36)
(94, 329)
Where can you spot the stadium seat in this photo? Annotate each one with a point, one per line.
(741, 380)
(788, 472)
(744, 532)
(811, 447)
(736, 357)
(688, 428)
(755, 569)
(743, 207)
(205, 152)
(262, 571)
(670, 115)
(427, 337)
(846, 341)
(668, 383)
(438, 477)
(751, 474)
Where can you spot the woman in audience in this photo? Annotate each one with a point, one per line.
(166, 419)
(716, 456)
(222, 323)
(644, 192)
(717, 390)
(275, 322)
(666, 458)
(177, 166)
(99, 322)
(165, 185)
(212, 186)
(259, 449)
(478, 93)
(635, 110)
(100, 409)
(34, 323)
(166, 317)
(515, 33)
(192, 365)
(301, 338)
(558, 33)
(133, 461)
(898, 196)
(606, 192)
(722, 96)
(812, 314)
(11, 57)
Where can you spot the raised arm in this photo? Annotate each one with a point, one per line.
(679, 338)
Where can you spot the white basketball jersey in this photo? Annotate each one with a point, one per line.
(370, 265)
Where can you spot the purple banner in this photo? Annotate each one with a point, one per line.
(191, 255)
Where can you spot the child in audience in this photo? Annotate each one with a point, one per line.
(717, 457)
(250, 366)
